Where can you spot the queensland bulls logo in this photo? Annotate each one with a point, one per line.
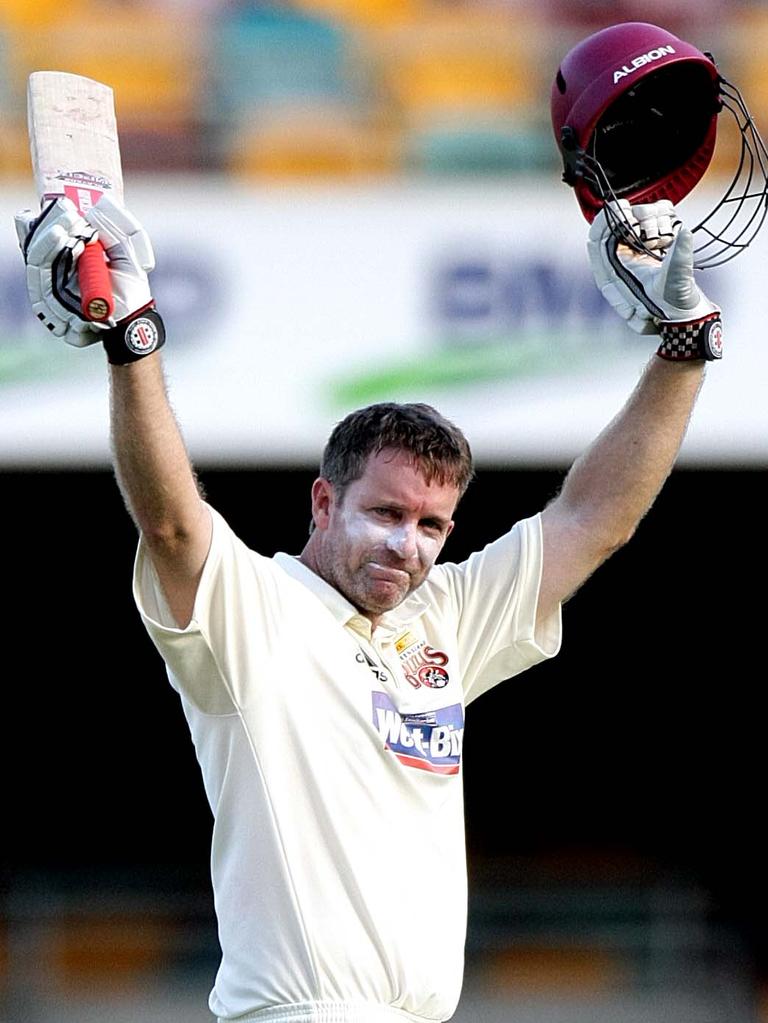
(423, 665)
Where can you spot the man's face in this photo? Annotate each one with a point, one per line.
(377, 543)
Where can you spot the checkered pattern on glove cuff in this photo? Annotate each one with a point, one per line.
(684, 342)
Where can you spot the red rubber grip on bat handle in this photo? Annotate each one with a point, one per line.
(96, 298)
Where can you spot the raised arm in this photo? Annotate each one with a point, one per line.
(157, 481)
(614, 483)
(152, 467)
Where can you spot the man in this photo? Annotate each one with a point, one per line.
(325, 693)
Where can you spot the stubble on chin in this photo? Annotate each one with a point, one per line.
(363, 593)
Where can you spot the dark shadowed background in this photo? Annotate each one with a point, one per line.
(638, 751)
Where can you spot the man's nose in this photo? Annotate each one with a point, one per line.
(402, 541)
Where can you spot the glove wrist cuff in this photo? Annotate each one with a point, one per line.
(696, 339)
(135, 337)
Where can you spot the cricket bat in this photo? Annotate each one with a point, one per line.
(75, 153)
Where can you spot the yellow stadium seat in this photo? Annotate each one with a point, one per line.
(40, 13)
(460, 60)
(153, 67)
(292, 99)
(363, 12)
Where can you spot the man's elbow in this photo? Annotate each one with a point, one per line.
(175, 538)
(602, 539)
(610, 540)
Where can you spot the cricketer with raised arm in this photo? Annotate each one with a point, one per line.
(325, 691)
(320, 776)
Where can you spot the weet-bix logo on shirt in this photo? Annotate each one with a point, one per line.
(431, 740)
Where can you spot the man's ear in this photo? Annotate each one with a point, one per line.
(322, 502)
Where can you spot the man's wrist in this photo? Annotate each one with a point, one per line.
(135, 337)
(700, 339)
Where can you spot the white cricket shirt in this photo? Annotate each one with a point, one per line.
(332, 764)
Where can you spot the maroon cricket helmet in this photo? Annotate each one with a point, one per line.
(634, 111)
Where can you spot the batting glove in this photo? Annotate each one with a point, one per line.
(51, 243)
(642, 260)
(137, 328)
(129, 252)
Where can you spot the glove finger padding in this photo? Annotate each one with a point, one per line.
(129, 252)
(23, 222)
(121, 234)
(59, 225)
(51, 243)
(139, 330)
(656, 224)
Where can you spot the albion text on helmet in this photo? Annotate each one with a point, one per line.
(638, 62)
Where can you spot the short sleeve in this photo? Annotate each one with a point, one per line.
(495, 596)
(209, 659)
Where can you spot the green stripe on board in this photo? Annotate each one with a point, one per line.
(460, 366)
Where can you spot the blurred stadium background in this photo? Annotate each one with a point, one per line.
(378, 177)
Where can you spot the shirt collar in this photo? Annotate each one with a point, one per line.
(346, 614)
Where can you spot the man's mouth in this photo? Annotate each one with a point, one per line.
(387, 574)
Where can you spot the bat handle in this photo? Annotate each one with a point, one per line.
(96, 298)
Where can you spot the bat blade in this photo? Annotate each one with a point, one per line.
(75, 152)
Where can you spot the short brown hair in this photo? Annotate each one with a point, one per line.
(439, 449)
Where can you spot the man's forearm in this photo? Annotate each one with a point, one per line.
(151, 462)
(613, 484)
